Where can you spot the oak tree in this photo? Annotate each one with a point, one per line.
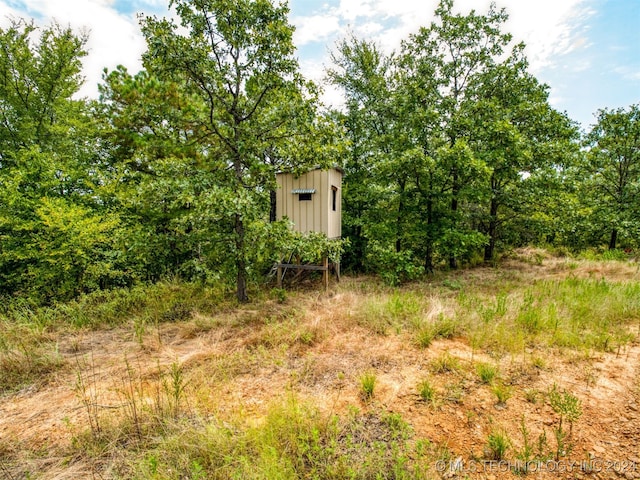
(238, 58)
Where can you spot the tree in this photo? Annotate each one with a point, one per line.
(47, 175)
(36, 84)
(613, 171)
(156, 174)
(237, 57)
(518, 136)
(442, 61)
(365, 75)
(443, 136)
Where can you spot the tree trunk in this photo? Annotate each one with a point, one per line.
(241, 264)
(272, 206)
(241, 261)
(359, 248)
(614, 239)
(453, 262)
(428, 258)
(399, 218)
(489, 250)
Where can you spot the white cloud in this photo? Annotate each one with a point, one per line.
(387, 22)
(629, 72)
(316, 28)
(371, 28)
(350, 10)
(550, 28)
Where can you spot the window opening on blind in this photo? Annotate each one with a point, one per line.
(304, 197)
(334, 197)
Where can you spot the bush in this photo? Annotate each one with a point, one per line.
(394, 267)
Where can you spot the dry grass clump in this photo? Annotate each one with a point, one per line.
(28, 354)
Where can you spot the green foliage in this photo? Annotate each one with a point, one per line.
(294, 441)
(70, 251)
(569, 409)
(438, 187)
(170, 172)
(462, 244)
(251, 109)
(426, 391)
(612, 169)
(57, 238)
(565, 404)
(498, 443)
(368, 385)
(487, 372)
(309, 247)
(394, 267)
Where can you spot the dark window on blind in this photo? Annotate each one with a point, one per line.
(304, 197)
(334, 196)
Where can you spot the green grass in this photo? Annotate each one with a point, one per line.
(368, 385)
(29, 333)
(161, 302)
(487, 372)
(573, 313)
(294, 441)
(599, 255)
(502, 393)
(426, 391)
(183, 430)
(508, 314)
(392, 311)
(498, 443)
(445, 363)
(424, 337)
(28, 353)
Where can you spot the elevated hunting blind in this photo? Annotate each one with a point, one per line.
(312, 201)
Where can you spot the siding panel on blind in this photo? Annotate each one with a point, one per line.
(321, 211)
(316, 215)
(334, 229)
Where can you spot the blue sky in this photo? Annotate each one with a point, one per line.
(587, 51)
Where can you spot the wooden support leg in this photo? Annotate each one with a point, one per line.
(337, 266)
(325, 273)
(279, 274)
